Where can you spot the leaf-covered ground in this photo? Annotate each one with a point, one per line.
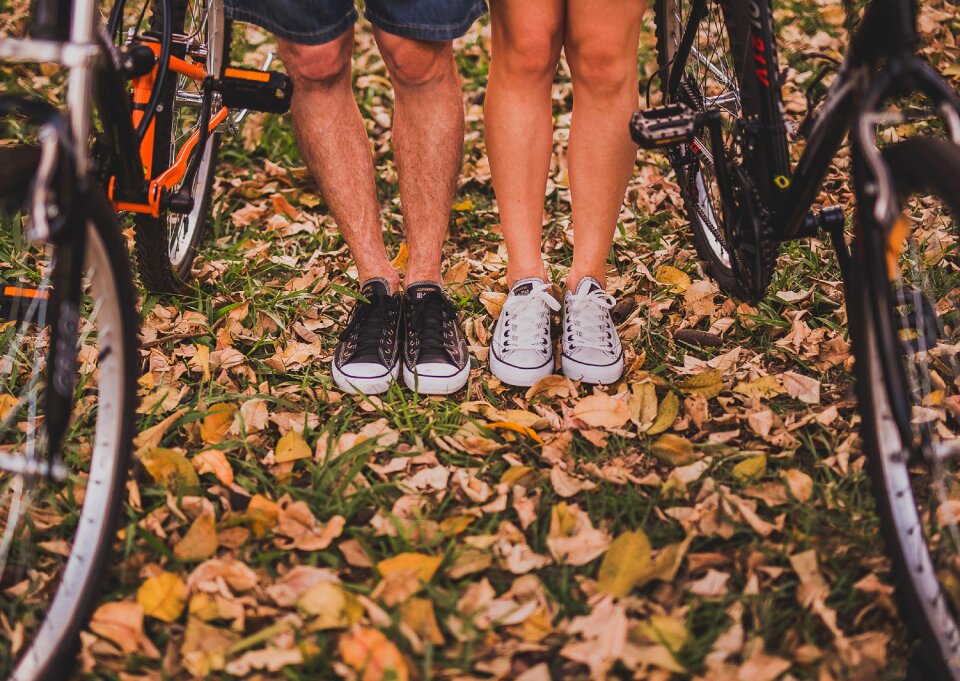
(706, 517)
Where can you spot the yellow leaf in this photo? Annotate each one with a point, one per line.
(666, 415)
(334, 607)
(214, 461)
(666, 630)
(399, 261)
(643, 404)
(170, 468)
(708, 383)
(292, 447)
(750, 469)
(464, 206)
(517, 428)
(625, 564)
(679, 280)
(799, 483)
(200, 541)
(163, 596)
(263, 514)
(602, 411)
(516, 475)
(674, 450)
(417, 613)
(217, 422)
(201, 360)
(422, 565)
(765, 386)
(372, 655)
(7, 403)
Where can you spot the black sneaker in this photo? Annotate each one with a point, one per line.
(435, 356)
(367, 357)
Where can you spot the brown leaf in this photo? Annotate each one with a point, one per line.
(372, 655)
(217, 422)
(602, 411)
(214, 461)
(297, 522)
(674, 450)
(163, 596)
(200, 541)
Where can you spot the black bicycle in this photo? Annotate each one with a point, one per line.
(722, 126)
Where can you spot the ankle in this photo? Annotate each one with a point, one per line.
(515, 275)
(388, 277)
(574, 278)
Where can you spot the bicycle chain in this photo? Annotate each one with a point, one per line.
(754, 256)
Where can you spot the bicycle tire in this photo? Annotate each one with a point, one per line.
(699, 209)
(918, 165)
(166, 246)
(49, 654)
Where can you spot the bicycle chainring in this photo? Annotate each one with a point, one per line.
(753, 251)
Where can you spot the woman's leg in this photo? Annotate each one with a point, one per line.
(601, 48)
(518, 118)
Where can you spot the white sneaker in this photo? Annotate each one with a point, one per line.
(521, 352)
(592, 351)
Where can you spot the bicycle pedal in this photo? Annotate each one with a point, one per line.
(663, 126)
(267, 91)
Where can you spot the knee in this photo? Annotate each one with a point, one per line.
(602, 71)
(319, 66)
(413, 63)
(530, 57)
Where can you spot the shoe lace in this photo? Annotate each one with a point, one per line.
(525, 324)
(433, 321)
(365, 329)
(588, 323)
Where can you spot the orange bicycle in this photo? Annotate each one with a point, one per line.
(68, 321)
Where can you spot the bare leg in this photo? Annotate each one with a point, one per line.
(333, 141)
(518, 121)
(601, 47)
(427, 144)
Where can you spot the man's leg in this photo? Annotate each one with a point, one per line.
(518, 121)
(427, 144)
(601, 48)
(334, 142)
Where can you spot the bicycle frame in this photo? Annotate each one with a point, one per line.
(881, 59)
(93, 67)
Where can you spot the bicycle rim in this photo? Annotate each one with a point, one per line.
(909, 370)
(167, 246)
(709, 79)
(200, 22)
(55, 535)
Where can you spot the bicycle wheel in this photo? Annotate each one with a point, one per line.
(167, 246)
(713, 76)
(56, 534)
(906, 332)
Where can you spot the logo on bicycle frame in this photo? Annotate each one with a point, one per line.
(759, 49)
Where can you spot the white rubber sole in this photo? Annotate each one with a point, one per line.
(516, 376)
(589, 373)
(376, 385)
(436, 385)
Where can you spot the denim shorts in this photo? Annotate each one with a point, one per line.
(314, 22)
